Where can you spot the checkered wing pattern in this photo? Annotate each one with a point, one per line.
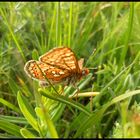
(62, 58)
(57, 65)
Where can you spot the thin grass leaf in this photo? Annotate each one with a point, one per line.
(12, 33)
(13, 86)
(45, 117)
(58, 25)
(10, 128)
(65, 100)
(8, 104)
(70, 23)
(35, 54)
(26, 133)
(27, 111)
(128, 33)
(12, 119)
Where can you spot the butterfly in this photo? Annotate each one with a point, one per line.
(59, 65)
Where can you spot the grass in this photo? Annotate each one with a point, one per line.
(30, 29)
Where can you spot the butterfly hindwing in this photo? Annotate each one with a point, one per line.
(32, 70)
(40, 71)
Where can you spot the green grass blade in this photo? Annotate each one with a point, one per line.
(70, 24)
(10, 128)
(26, 133)
(12, 119)
(8, 104)
(12, 33)
(128, 33)
(27, 111)
(58, 24)
(45, 117)
(64, 100)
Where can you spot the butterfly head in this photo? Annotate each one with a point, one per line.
(85, 71)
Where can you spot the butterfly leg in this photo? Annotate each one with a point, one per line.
(76, 92)
(91, 103)
(43, 83)
(62, 90)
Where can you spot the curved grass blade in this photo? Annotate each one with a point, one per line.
(27, 111)
(10, 128)
(64, 100)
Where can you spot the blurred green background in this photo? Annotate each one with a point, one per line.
(30, 29)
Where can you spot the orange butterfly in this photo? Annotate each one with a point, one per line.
(59, 65)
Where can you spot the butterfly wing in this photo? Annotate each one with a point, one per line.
(80, 63)
(62, 58)
(39, 71)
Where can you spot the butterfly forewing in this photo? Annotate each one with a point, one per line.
(62, 58)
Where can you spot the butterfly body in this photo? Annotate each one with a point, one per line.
(59, 65)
